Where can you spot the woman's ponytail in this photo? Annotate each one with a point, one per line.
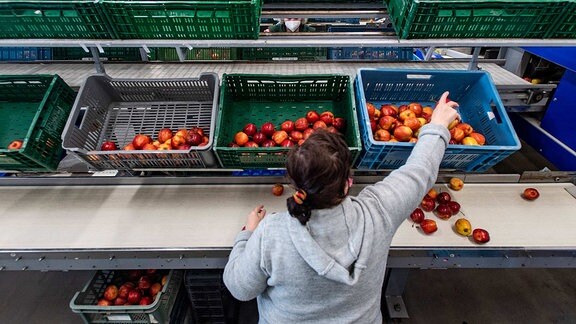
(301, 211)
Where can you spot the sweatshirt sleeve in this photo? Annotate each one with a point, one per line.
(400, 192)
(244, 275)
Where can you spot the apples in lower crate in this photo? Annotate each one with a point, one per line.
(140, 140)
(110, 293)
(108, 146)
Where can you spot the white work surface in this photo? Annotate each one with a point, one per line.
(191, 216)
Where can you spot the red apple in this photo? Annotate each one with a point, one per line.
(287, 126)
(457, 134)
(134, 275)
(319, 124)
(389, 110)
(339, 123)
(428, 204)
(241, 138)
(403, 133)
(530, 194)
(269, 143)
(307, 133)
(249, 129)
(373, 126)
(164, 134)
(312, 116)
(251, 144)
(416, 108)
(107, 146)
(406, 114)
(370, 108)
(140, 140)
(443, 211)
(287, 143)
(454, 207)
(387, 122)
(327, 117)
(149, 147)
(279, 136)
(125, 289)
(403, 108)
(232, 144)
(443, 198)
(480, 139)
(196, 139)
(17, 144)
(480, 236)
(104, 302)
(258, 138)
(119, 301)
(110, 293)
(278, 189)
(382, 135)
(467, 128)
(198, 130)
(268, 129)
(413, 123)
(296, 136)
(428, 226)
(178, 140)
(144, 282)
(134, 297)
(301, 124)
(155, 289)
(417, 216)
(145, 301)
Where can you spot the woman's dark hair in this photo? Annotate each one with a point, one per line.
(321, 168)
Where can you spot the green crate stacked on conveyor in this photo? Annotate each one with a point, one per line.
(422, 19)
(284, 53)
(167, 54)
(110, 54)
(566, 27)
(254, 98)
(174, 19)
(34, 110)
(68, 19)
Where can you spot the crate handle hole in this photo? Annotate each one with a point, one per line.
(494, 114)
(419, 76)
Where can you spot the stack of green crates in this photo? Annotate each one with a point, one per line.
(414, 19)
(566, 27)
(68, 19)
(176, 19)
(168, 54)
(284, 53)
(110, 54)
(34, 109)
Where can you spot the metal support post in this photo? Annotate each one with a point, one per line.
(97, 63)
(181, 53)
(144, 55)
(474, 62)
(394, 288)
(429, 53)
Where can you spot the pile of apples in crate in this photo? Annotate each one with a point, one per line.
(183, 139)
(133, 287)
(290, 133)
(402, 123)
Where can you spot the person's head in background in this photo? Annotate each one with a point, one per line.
(320, 171)
(293, 24)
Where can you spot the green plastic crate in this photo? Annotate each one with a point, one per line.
(34, 109)
(253, 98)
(197, 54)
(110, 54)
(474, 19)
(53, 19)
(566, 27)
(284, 53)
(132, 19)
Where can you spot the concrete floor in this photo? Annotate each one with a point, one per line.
(431, 296)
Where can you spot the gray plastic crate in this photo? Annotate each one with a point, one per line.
(85, 302)
(116, 110)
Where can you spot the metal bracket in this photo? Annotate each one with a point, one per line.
(474, 62)
(97, 63)
(535, 96)
(181, 53)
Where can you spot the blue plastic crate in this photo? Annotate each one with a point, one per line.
(480, 106)
(25, 53)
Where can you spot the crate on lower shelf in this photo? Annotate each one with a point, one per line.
(25, 54)
(118, 109)
(159, 311)
(415, 19)
(284, 53)
(71, 19)
(110, 54)
(371, 53)
(211, 301)
(254, 98)
(196, 54)
(34, 110)
(480, 106)
(174, 19)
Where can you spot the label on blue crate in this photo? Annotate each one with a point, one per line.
(491, 115)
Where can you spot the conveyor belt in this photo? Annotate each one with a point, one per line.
(75, 74)
(204, 217)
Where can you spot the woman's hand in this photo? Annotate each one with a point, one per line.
(254, 218)
(445, 111)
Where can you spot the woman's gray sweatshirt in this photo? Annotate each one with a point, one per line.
(332, 269)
